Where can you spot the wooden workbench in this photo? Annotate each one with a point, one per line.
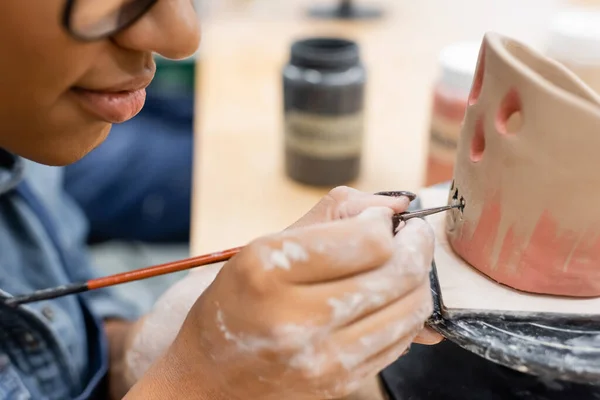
(240, 189)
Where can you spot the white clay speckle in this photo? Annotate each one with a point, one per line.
(289, 336)
(379, 283)
(347, 307)
(294, 251)
(309, 360)
(243, 343)
(279, 260)
(284, 258)
(351, 358)
(222, 327)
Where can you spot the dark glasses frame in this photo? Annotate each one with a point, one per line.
(67, 21)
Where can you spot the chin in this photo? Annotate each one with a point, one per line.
(58, 159)
(67, 149)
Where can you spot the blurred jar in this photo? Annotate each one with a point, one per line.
(574, 41)
(324, 89)
(457, 63)
(172, 92)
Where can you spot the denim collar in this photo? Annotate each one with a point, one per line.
(12, 169)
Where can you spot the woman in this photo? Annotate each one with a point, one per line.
(306, 313)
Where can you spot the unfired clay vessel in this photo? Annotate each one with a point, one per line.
(528, 173)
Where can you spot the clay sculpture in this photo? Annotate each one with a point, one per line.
(528, 174)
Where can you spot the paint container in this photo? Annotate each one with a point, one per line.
(457, 64)
(174, 86)
(574, 41)
(323, 86)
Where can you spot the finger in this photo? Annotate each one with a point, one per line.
(327, 209)
(345, 351)
(371, 366)
(428, 337)
(382, 360)
(378, 362)
(325, 252)
(369, 336)
(340, 302)
(345, 202)
(357, 203)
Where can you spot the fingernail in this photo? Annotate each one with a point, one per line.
(401, 193)
(403, 201)
(428, 337)
(397, 223)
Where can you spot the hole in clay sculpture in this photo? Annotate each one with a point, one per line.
(478, 141)
(478, 81)
(510, 117)
(463, 203)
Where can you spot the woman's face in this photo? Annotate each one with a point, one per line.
(59, 96)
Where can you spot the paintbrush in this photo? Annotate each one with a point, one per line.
(168, 268)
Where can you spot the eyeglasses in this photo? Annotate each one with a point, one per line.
(89, 20)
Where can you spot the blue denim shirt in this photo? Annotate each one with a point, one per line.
(51, 349)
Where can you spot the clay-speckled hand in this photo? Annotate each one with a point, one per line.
(311, 312)
(306, 313)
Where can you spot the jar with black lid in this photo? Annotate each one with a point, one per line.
(324, 89)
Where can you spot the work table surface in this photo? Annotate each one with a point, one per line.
(240, 187)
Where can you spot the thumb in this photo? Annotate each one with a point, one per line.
(428, 337)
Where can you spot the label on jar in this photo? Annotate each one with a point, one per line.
(324, 136)
(444, 135)
(443, 142)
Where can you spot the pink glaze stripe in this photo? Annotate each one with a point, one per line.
(550, 261)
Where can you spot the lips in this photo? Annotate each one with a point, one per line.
(111, 106)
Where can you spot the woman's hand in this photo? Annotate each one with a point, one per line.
(345, 202)
(312, 311)
(307, 313)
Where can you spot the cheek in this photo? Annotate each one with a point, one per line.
(44, 63)
(36, 103)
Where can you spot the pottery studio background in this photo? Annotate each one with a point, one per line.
(216, 122)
